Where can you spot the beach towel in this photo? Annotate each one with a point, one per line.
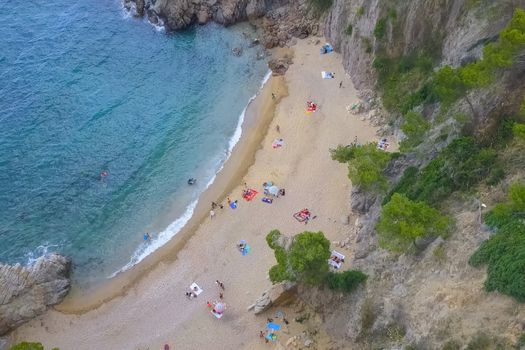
(249, 194)
(267, 200)
(327, 75)
(195, 291)
(246, 250)
(326, 48)
(277, 143)
(336, 259)
(302, 215)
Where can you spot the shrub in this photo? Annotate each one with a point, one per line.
(360, 12)
(415, 127)
(365, 165)
(504, 252)
(368, 45)
(349, 29)
(346, 281)
(518, 131)
(29, 346)
(380, 29)
(402, 221)
(272, 237)
(451, 345)
(461, 165)
(306, 261)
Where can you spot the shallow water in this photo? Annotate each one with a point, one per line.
(85, 88)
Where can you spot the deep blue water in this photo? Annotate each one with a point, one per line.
(85, 88)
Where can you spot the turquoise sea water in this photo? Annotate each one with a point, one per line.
(85, 88)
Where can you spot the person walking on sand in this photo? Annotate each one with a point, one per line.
(341, 84)
(277, 128)
(221, 296)
(220, 284)
(273, 96)
(212, 214)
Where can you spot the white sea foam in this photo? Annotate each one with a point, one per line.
(163, 237)
(38, 252)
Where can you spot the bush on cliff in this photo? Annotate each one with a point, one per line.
(306, 261)
(403, 221)
(504, 252)
(346, 281)
(415, 127)
(461, 165)
(29, 346)
(366, 164)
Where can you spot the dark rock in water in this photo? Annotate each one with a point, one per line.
(237, 51)
(139, 8)
(279, 66)
(26, 292)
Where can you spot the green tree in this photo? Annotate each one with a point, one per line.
(305, 261)
(402, 221)
(366, 164)
(346, 281)
(415, 127)
(513, 210)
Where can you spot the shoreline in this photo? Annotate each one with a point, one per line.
(154, 310)
(258, 115)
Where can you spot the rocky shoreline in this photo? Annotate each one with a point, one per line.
(279, 21)
(27, 291)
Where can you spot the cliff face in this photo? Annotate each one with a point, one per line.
(26, 292)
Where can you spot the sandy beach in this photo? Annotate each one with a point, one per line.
(155, 311)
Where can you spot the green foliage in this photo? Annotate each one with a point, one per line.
(380, 29)
(29, 346)
(461, 165)
(320, 6)
(504, 252)
(402, 221)
(349, 29)
(365, 165)
(306, 261)
(449, 84)
(415, 127)
(518, 131)
(512, 210)
(272, 237)
(360, 12)
(521, 340)
(346, 281)
(402, 81)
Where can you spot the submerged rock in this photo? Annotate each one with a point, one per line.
(26, 292)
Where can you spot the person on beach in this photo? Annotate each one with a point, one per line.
(221, 296)
(341, 84)
(212, 214)
(229, 201)
(261, 334)
(221, 206)
(213, 205)
(277, 128)
(273, 96)
(147, 237)
(220, 284)
(209, 305)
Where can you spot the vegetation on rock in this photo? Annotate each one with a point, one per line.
(403, 220)
(415, 127)
(461, 165)
(29, 346)
(306, 261)
(366, 164)
(504, 252)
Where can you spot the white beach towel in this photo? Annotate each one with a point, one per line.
(333, 263)
(195, 291)
(327, 75)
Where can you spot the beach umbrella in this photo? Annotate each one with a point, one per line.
(273, 326)
(273, 190)
(219, 308)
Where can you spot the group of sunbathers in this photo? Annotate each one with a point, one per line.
(310, 106)
(383, 144)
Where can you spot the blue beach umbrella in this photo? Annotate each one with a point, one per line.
(273, 326)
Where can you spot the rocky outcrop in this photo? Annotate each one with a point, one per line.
(279, 294)
(26, 292)
(280, 20)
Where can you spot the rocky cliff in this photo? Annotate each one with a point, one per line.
(26, 292)
(280, 20)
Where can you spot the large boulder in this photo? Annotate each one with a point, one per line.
(279, 294)
(26, 292)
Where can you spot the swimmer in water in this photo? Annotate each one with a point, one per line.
(103, 174)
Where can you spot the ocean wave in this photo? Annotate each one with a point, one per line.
(38, 252)
(166, 235)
